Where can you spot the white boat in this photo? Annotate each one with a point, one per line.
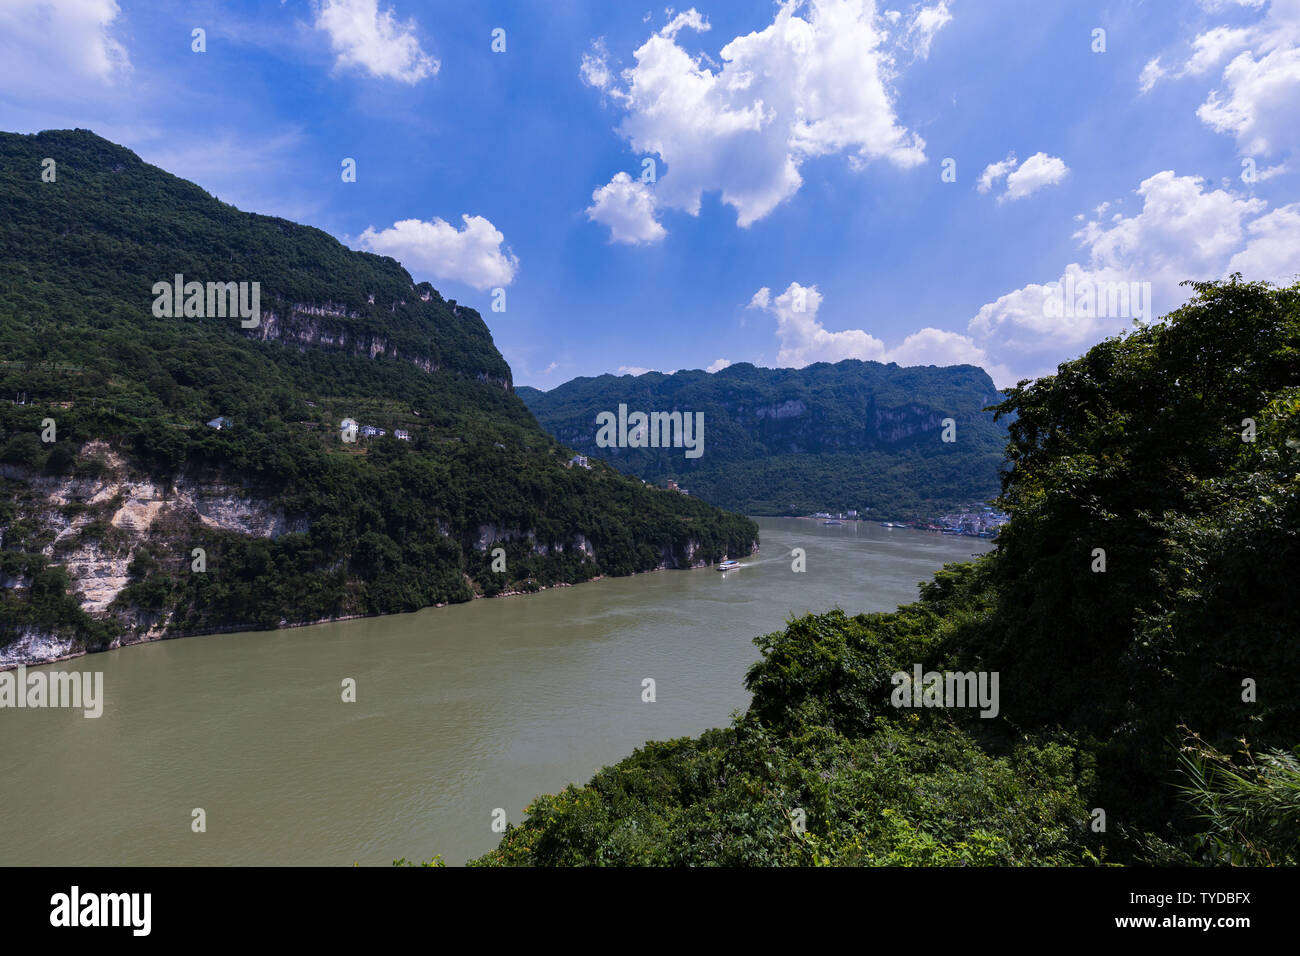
(728, 565)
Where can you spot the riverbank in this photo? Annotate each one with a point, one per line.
(33, 648)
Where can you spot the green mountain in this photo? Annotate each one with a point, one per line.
(127, 515)
(1135, 612)
(853, 435)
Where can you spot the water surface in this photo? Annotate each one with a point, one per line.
(460, 710)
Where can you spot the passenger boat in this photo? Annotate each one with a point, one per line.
(728, 565)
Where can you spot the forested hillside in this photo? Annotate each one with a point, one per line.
(113, 475)
(1138, 609)
(853, 435)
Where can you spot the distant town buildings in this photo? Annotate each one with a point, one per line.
(220, 422)
(982, 520)
(977, 520)
(580, 461)
(348, 430)
(401, 434)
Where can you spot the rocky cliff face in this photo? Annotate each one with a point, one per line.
(93, 526)
(329, 325)
(332, 325)
(489, 535)
(897, 424)
(309, 325)
(107, 526)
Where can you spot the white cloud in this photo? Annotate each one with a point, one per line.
(633, 370)
(1260, 106)
(1215, 5)
(473, 255)
(595, 66)
(804, 339)
(927, 22)
(1133, 264)
(802, 336)
(1151, 74)
(800, 88)
(363, 36)
(1273, 251)
(1033, 174)
(627, 206)
(931, 346)
(1260, 85)
(1184, 231)
(60, 46)
(995, 171)
(1037, 171)
(1211, 47)
(1208, 49)
(692, 19)
(717, 365)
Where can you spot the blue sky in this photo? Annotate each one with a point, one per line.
(799, 211)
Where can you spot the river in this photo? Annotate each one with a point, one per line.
(459, 711)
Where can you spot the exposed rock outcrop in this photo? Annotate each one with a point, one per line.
(94, 526)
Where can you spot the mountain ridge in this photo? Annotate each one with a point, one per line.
(849, 435)
(178, 475)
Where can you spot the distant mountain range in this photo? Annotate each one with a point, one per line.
(175, 375)
(848, 436)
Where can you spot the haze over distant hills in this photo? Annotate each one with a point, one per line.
(852, 435)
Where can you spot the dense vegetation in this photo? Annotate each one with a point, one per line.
(1160, 691)
(377, 526)
(853, 435)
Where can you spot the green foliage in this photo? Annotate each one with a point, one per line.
(898, 795)
(1250, 806)
(1137, 448)
(1140, 447)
